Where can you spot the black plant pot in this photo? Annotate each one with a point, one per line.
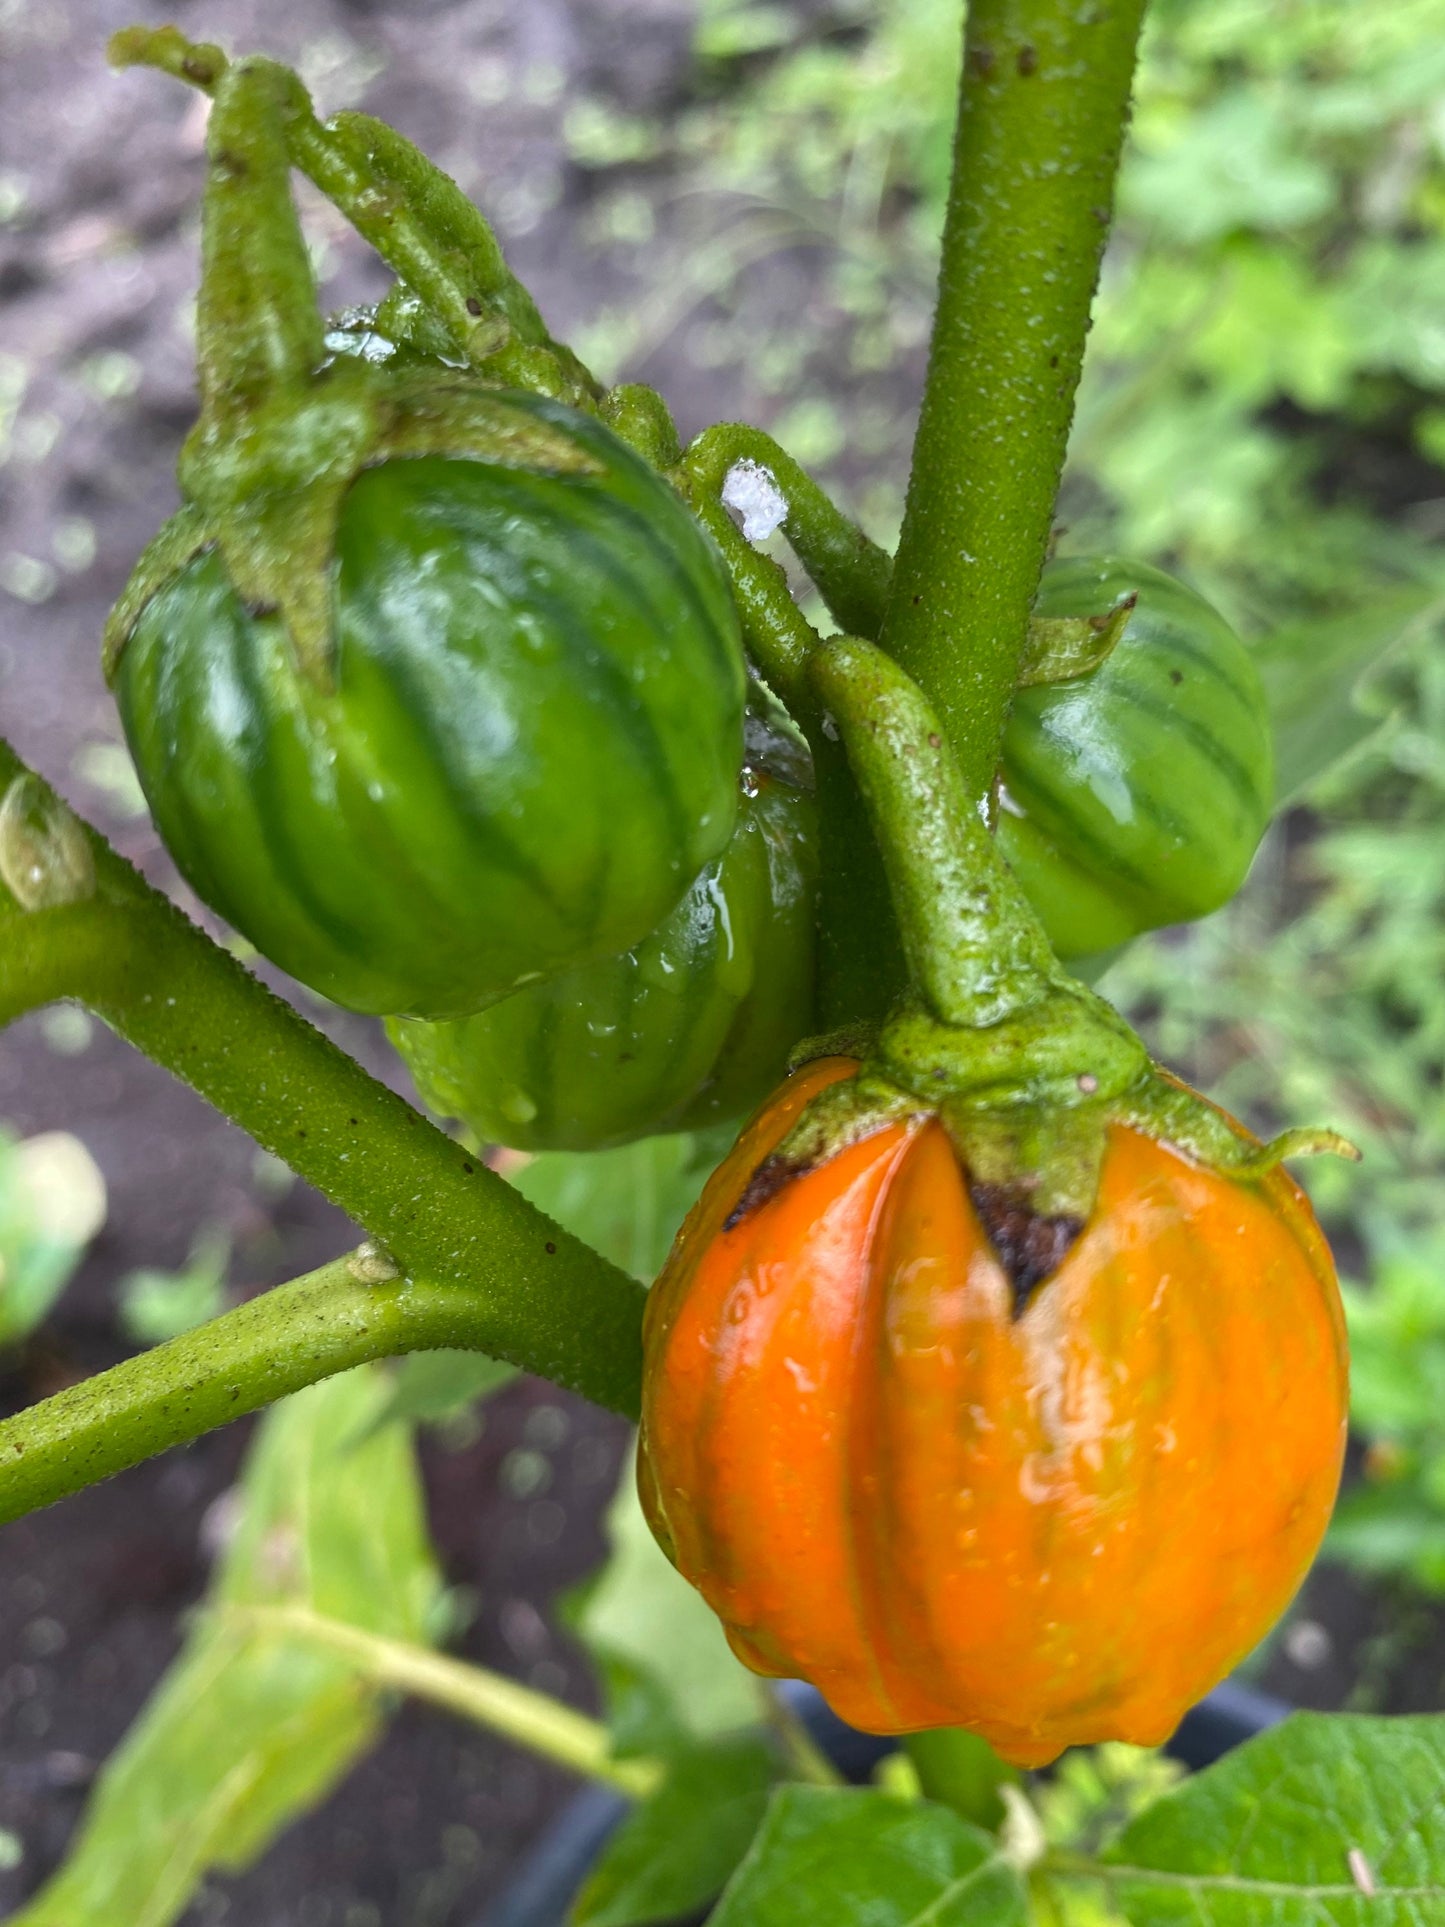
(542, 1889)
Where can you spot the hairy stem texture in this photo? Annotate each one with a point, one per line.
(1042, 108)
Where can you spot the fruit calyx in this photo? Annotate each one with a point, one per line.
(286, 422)
(1025, 1068)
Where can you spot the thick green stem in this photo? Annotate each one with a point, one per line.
(347, 1313)
(1042, 108)
(520, 1287)
(975, 948)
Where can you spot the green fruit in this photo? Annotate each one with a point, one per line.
(1137, 795)
(691, 1027)
(524, 750)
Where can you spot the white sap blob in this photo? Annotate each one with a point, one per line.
(750, 488)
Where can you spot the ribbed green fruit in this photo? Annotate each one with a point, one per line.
(1135, 796)
(691, 1027)
(529, 749)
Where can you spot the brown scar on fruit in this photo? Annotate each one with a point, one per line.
(1029, 1246)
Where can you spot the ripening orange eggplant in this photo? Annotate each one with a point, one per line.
(997, 1380)
(1053, 1512)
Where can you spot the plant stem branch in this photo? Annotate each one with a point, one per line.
(850, 571)
(331, 1319)
(416, 217)
(809, 1762)
(860, 961)
(534, 1720)
(976, 950)
(1043, 102)
(500, 1276)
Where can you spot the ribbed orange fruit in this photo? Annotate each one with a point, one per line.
(1054, 1523)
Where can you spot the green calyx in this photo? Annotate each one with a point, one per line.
(269, 499)
(285, 428)
(1025, 1067)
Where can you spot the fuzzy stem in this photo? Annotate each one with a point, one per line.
(333, 1318)
(257, 325)
(1043, 102)
(531, 1719)
(779, 637)
(850, 571)
(514, 1284)
(414, 215)
(975, 948)
(860, 966)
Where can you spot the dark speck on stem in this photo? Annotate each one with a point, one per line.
(473, 305)
(980, 59)
(1028, 61)
(551, 1249)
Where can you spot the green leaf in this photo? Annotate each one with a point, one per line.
(674, 1853)
(670, 1676)
(1313, 672)
(157, 1305)
(627, 1204)
(828, 1857)
(248, 1728)
(52, 1203)
(430, 1386)
(1330, 1820)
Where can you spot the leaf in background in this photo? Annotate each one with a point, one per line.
(675, 1852)
(627, 1203)
(52, 1203)
(1313, 672)
(1329, 1819)
(428, 1387)
(828, 1857)
(1394, 1530)
(670, 1676)
(157, 1305)
(248, 1728)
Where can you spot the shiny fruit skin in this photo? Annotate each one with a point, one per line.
(1137, 795)
(530, 750)
(690, 1028)
(1054, 1529)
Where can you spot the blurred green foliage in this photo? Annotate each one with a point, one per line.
(156, 1305)
(250, 1725)
(1263, 411)
(52, 1203)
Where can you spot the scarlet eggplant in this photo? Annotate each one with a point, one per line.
(1053, 1511)
(1135, 795)
(997, 1380)
(435, 688)
(690, 1028)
